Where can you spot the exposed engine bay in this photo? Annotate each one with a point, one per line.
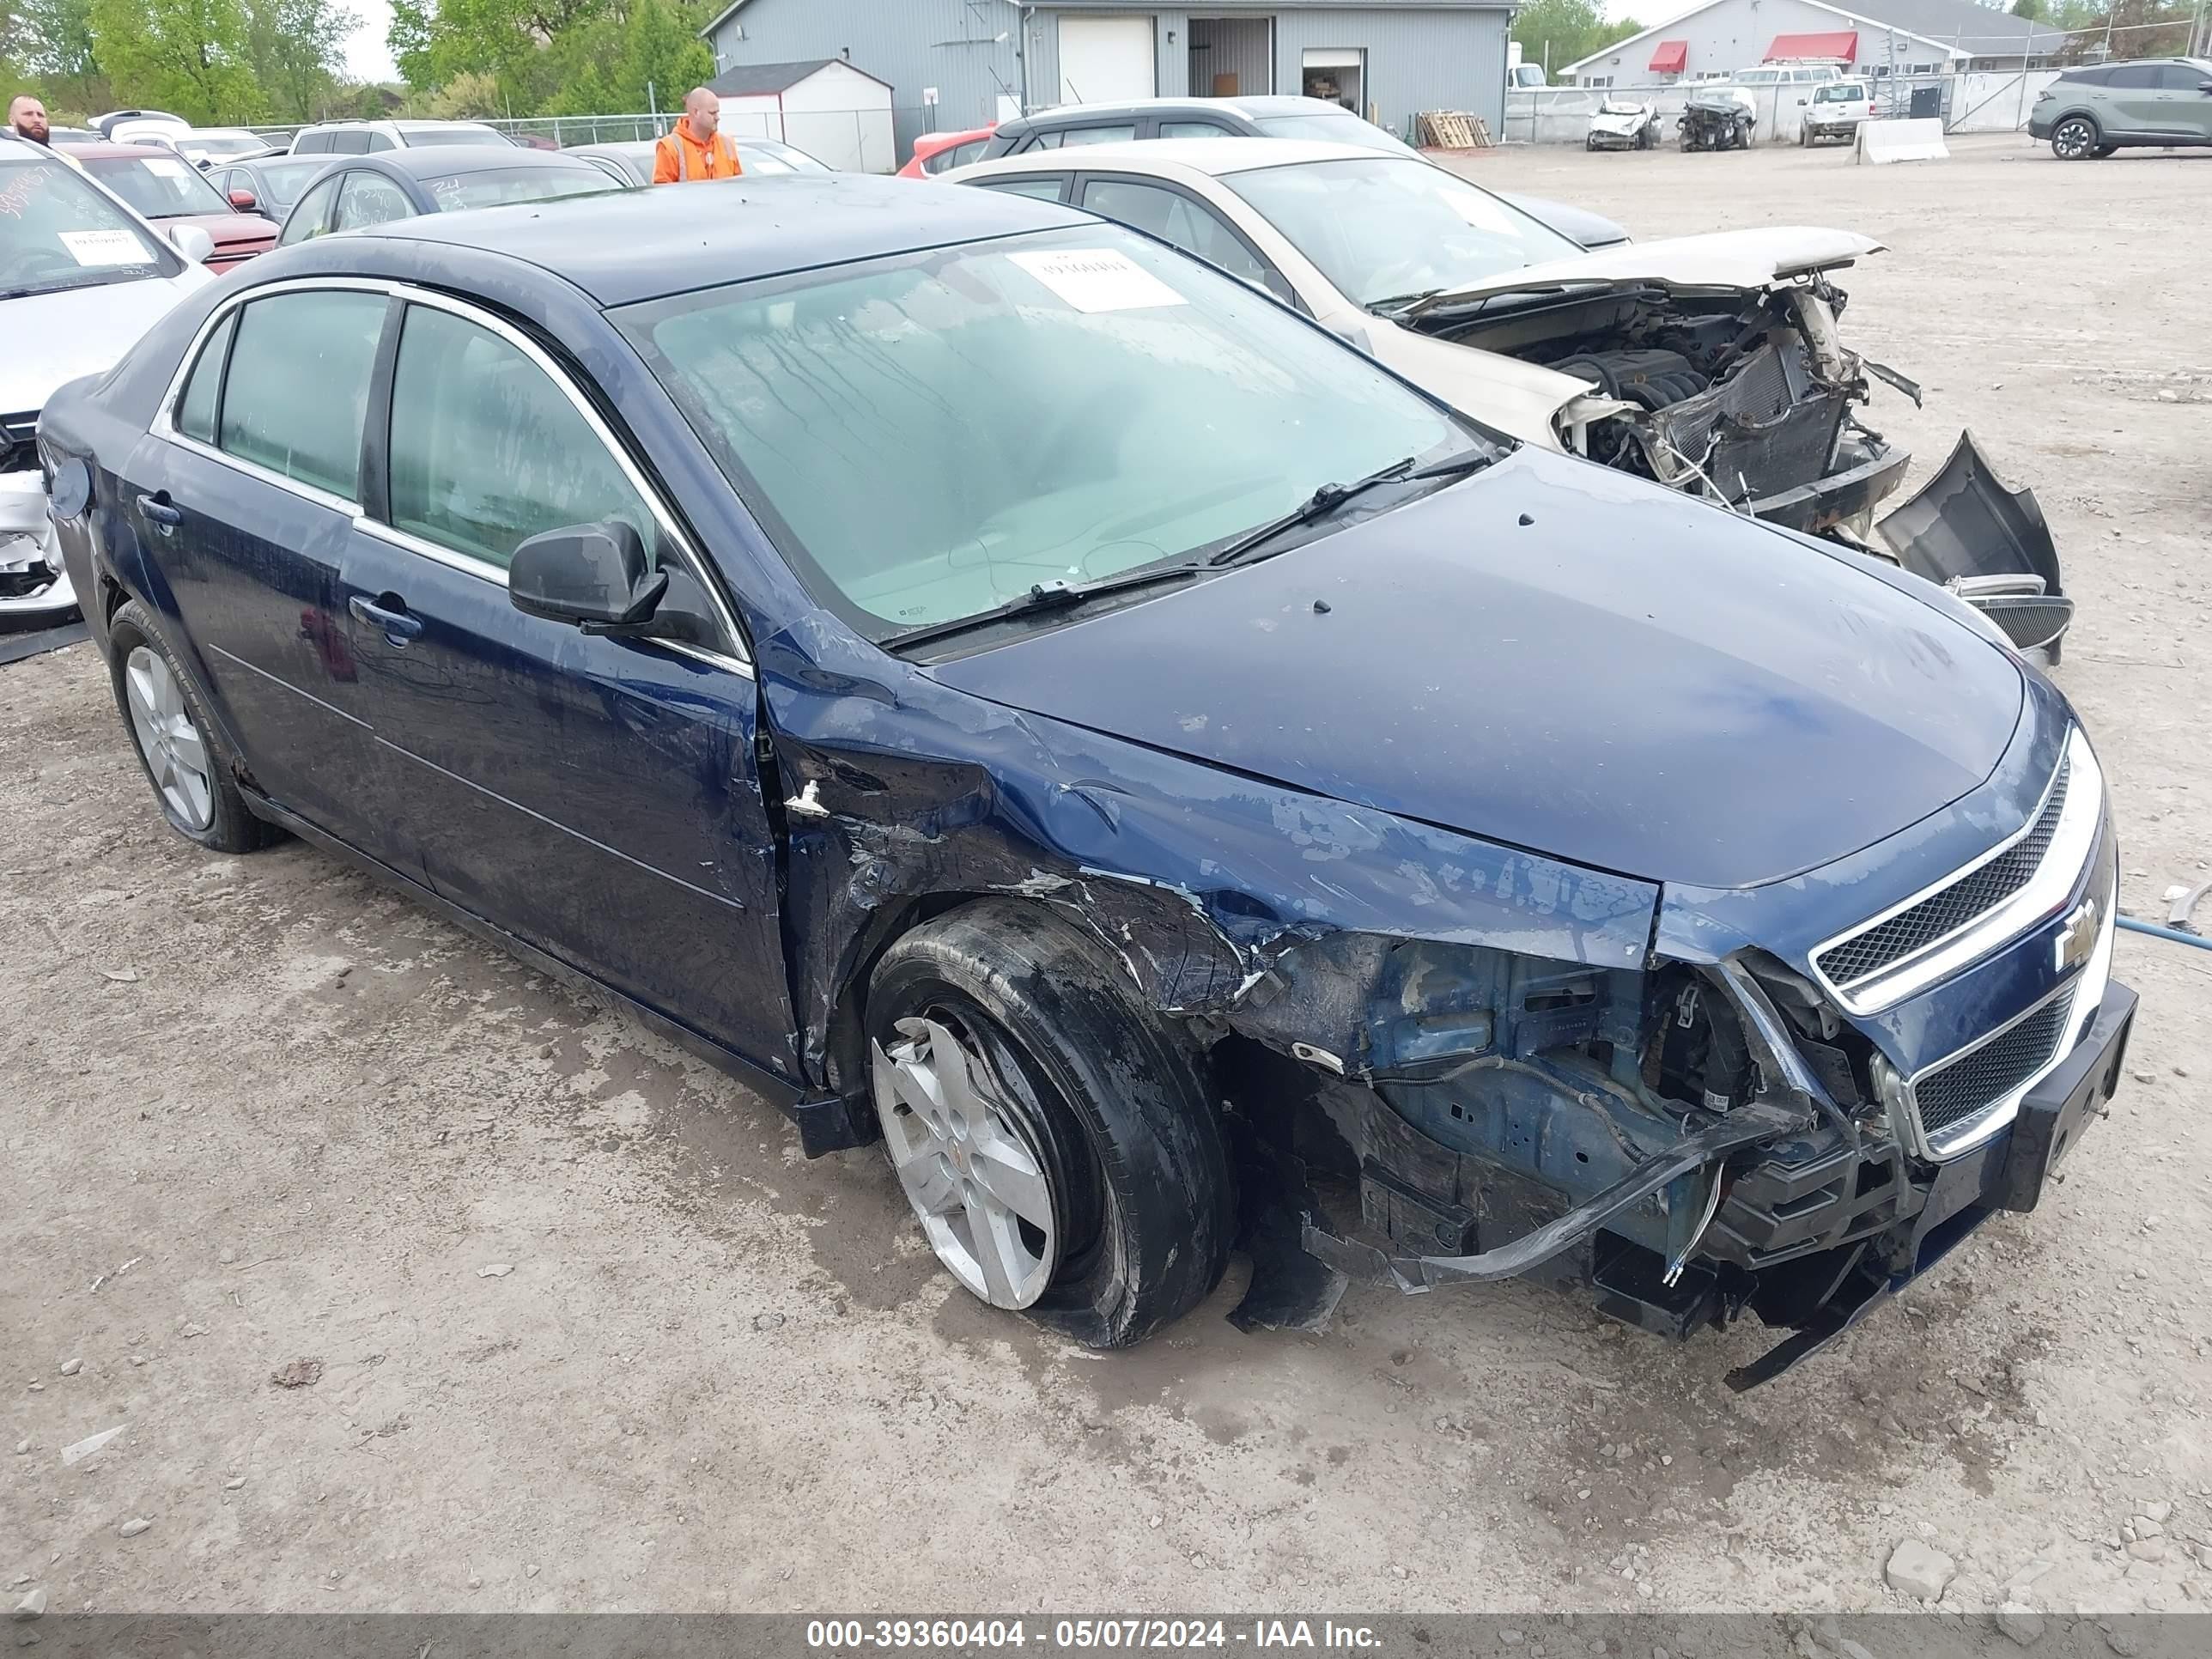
(1737, 396)
(1748, 398)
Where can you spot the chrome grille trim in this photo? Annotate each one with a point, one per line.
(1963, 900)
(2021, 881)
(2064, 1015)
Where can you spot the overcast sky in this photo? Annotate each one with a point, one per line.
(368, 59)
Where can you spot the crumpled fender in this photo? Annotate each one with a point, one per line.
(899, 793)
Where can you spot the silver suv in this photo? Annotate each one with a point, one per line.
(2153, 100)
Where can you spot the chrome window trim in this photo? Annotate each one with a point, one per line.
(2072, 845)
(164, 426)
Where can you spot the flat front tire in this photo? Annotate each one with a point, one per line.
(176, 740)
(1049, 1130)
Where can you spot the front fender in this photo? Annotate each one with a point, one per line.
(900, 794)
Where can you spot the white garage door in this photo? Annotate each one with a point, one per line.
(1103, 60)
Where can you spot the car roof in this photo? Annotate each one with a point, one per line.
(448, 161)
(1266, 104)
(1217, 156)
(109, 151)
(645, 243)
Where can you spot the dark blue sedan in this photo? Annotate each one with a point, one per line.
(361, 191)
(1006, 689)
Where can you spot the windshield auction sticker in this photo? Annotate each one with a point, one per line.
(1099, 279)
(104, 248)
(162, 167)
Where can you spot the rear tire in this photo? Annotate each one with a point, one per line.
(2074, 138)
(999, 1031)
(191, 772)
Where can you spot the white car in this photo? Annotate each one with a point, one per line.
(1711, 364)
(206, 147)
(1836, 111)
(363, 137)
(81, 276)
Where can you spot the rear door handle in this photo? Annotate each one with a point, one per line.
(156, 506)
(398, 627)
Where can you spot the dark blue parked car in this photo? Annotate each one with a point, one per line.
(999, 685)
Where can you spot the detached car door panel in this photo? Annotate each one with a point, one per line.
(596, 796)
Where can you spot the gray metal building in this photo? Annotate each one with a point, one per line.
(960, 64)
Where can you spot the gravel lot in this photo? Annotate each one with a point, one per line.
(591, 1334)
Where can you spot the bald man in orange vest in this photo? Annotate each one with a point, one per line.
(694, 149)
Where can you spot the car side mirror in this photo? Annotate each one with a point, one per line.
(2204, 86)
(195, 244)
(245, 200)
(595, 576)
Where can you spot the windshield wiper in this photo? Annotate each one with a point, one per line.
(1329, 497)
(1045, 596)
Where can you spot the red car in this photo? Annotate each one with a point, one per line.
(168, 190)
(940, 152)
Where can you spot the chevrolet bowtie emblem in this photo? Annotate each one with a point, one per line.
(2077, 936)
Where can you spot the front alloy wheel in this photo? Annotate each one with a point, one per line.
(966, 1157)
(2073, 139)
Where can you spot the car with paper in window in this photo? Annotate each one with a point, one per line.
(1012, 693)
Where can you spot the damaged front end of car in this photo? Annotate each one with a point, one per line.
(1747, 397)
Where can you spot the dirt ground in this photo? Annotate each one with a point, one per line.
(591, 1334)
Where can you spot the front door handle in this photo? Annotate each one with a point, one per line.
(389, 612)
(157, 507)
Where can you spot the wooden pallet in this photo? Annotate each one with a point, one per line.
(1445, 129)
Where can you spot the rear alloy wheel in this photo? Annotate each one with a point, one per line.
(176, 739)
(1049, 1132)
(2073, 139)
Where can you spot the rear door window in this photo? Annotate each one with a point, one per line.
(311, 217)
(297, 391)
(1050, 187)
(2136, 76)
(370, 198)
(196, 409)
(1174, 217)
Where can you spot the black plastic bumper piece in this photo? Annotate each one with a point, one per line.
(2008, 1173)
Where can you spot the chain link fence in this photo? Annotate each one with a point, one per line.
(850, 140)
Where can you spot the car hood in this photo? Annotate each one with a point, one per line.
(1562, 659)
(1725, 258)
(52, 339)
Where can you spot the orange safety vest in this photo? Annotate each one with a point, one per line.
(679, 158)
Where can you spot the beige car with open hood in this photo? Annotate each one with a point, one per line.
(1713, 364)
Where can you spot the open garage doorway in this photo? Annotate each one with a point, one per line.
(1338, 74)
(1232, 57)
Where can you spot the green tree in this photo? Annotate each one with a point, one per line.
(296, 48)
(49, 42)
(465, 98)
(1556, 33)
(2034, 10)
(662, 51)
(185, 56)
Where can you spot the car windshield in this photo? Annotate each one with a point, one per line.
(57, 232)
(438, 134)
(1387, 229)
(1843, 92)
(239, 143)
(933, 436)
(504, 187)
(288, 180)
(1344, 128)
(159, 186)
